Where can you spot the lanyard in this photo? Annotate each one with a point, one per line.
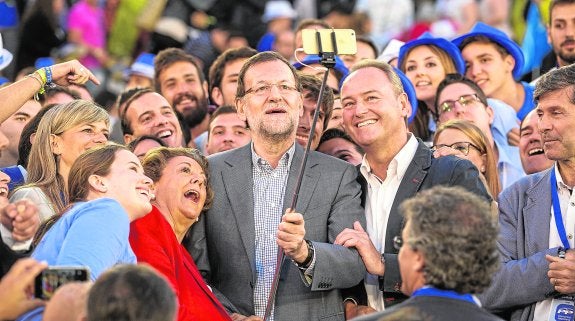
(431, 291)
(557, 211)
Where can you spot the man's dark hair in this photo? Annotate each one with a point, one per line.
(554, 3)
(124, 101)
(168, 57)
(311, 86)
(131, 293)
(216, 72)
(334, 133)
(24, 146)
(262, 57)
(123, 98)
(132, 145)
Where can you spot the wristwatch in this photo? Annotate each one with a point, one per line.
(310, 252)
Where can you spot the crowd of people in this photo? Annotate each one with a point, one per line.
(429, 176)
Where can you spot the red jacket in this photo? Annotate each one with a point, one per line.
(155, 243)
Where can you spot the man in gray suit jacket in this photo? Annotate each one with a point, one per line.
(533, 276)
(235, 244)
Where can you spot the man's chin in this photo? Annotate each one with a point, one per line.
(185, 110)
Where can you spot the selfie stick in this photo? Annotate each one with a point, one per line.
(327, 59)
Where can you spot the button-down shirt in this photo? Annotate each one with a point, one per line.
(380, 197)
(269, 190)
(567, 204)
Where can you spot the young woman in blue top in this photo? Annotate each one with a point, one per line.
(107, 189)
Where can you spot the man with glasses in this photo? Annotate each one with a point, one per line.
(447, 254)
(396, 166)
(236, 243)
(460, 98)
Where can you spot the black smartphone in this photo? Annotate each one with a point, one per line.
(53, 277)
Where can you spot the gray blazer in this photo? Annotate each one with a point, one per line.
(222, 243)
(524, 217)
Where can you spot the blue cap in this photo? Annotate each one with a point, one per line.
(410, 91)
(17, 175)
(143, 66)
(44, 62)
(315, 59)
(443, 44)
(266, 42)
(499, 37)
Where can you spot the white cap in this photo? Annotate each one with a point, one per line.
(278, 9)
(391, 51)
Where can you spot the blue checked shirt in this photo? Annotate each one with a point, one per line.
(269, 189)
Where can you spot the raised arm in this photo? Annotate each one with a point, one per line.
(14, 96)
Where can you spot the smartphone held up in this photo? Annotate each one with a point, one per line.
(47, 282)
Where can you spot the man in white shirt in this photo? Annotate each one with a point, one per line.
(395, 167)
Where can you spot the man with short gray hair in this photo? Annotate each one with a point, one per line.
(447, 253)
(536, 217)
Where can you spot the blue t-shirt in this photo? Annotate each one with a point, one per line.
(93, 234)
(528, 103)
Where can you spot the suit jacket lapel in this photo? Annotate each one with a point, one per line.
(238, 184)
(410, 184)
(308, 185)
(537, 210)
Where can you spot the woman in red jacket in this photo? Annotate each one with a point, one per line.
(182, 193)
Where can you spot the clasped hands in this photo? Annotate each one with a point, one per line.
(21, 218)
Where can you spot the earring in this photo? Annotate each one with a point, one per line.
(482, 169)
(104, 189)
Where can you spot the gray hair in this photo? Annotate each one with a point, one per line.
(453, 229)
(558, 79)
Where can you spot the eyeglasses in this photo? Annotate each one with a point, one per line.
(464, 100)
(397, 242)
(462, 147)
(266, 89)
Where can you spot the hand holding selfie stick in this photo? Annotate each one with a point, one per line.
(328, 61)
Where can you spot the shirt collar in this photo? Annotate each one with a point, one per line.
(398, 164)
(261, 163)
(561, 186)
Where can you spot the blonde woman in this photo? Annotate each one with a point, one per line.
(65, 132)
(463, 139)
